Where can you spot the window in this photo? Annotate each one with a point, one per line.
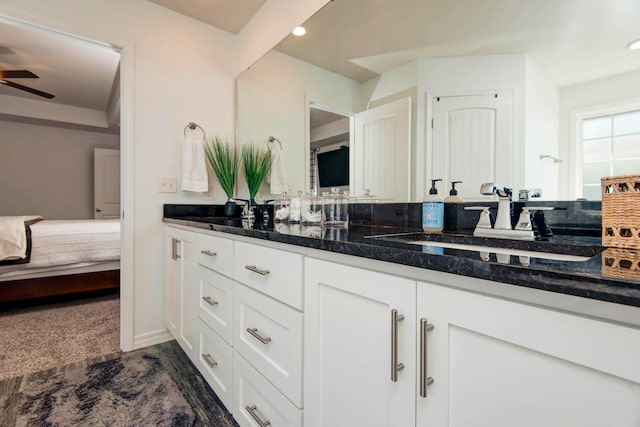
(610, 147)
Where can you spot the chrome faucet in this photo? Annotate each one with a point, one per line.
(502, 226)
(503, 219)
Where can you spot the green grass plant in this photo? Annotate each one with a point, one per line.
(256, 164)
(224, 160)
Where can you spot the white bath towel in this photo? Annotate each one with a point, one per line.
(13, 236)
(277, 178)
(194, 165)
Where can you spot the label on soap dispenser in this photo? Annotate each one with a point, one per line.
(432, 216)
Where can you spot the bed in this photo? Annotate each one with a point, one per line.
(62, 257)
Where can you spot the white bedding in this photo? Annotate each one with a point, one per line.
(67, 242)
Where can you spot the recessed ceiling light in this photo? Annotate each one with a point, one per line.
(299, 31)
(634, 45)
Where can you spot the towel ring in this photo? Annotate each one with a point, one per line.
(271, 139)
(194, 126)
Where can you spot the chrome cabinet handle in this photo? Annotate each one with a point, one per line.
(425, 379)
(210, 300)
(177, 254)
(174, 248)
(209, 253)
(210, 360)
(253, 411)
(257, 270)
(395, 366)
(256, 335)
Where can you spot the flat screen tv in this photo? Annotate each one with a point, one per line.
(333, 168)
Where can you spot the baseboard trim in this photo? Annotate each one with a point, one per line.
(151, 338)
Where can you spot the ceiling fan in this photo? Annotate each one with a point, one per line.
(21, 74)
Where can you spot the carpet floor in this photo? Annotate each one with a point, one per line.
(155, 386)
(43, 337)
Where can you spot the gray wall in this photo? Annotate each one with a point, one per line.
(48, 171)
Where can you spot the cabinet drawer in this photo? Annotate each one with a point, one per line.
(215, 253)
(269, 335)
(214, 358)
(271, 271)
(254, 394)
(215, 302)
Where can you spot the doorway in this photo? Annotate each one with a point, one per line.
(329, 149)
(123, 79)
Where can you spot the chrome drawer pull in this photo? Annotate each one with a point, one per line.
(210, 360)
(209, 253)
(253, 411)
(395, 366)
(256, 335)
(210, 300)
(177, 247)
(425, 379)
(257, 270)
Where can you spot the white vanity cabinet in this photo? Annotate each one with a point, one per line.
(267, 337)
(288, 337)
(180, 288)
(502, 363)
(214, 308)
(360, 348)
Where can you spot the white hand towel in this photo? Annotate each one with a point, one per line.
(277, 178)
(194, 165)
(13, 236)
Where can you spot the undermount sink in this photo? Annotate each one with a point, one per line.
(501, 248)
(500, 252)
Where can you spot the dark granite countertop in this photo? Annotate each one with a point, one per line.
(604, 275)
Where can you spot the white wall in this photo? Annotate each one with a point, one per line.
(541, 132)
(48, 171)
(272, 95)
(601, 94)
(175, 70)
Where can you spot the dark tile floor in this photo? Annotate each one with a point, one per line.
(205, 405)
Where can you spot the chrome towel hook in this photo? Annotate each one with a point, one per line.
(271, 139)
(194, 126)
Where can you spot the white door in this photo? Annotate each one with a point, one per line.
(472, 141)
(348, 347)
(106, 184)
(181, 288)
(381, 152)
(498, 363)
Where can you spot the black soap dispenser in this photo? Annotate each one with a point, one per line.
(453, 194)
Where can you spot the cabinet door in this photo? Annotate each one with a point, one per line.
(173, 272)
(501, 363)
(349, 345)
(181, 288)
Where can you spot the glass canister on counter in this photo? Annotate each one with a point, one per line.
(336, 208)
(312, 209)
(281, 208)
(295, 208)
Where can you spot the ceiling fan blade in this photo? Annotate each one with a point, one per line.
(27, 89)
(17, 74)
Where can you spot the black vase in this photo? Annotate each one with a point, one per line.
(230, 208)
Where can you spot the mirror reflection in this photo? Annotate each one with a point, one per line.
(392, 94)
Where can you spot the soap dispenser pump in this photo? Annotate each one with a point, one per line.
(453, 194)
(433, 211)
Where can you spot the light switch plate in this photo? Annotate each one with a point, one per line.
(167, 184)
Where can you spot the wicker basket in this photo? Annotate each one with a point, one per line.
(621, 263)
(621, 211)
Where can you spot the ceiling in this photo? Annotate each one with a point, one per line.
(579, 40)
(573, 40)
(79, 73)
(228, 15)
